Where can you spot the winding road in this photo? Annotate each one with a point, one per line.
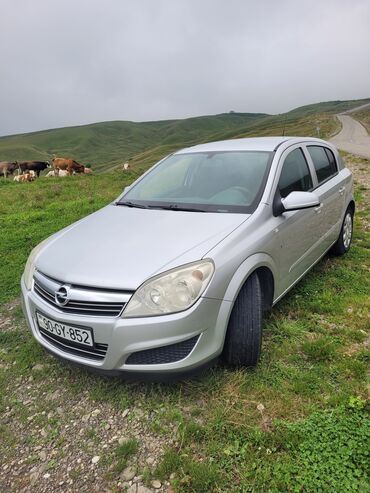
(353, 137)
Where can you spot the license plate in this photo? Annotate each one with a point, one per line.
(64, 331)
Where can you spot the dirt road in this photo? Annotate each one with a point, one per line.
(353, 137)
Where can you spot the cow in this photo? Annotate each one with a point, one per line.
(7, 168)
(36, 166)
(88, 171)
(25, 177)
(57, 172)
(60, 163)
(62, 173)
(126, 166)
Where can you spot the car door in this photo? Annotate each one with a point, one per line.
(330, 189)
(297, 231)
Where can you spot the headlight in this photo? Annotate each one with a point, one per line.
(30, 265)
(171, 292)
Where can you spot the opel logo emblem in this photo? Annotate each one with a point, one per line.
(62, 295)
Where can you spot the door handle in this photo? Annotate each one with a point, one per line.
(318, 209)
(341, 190)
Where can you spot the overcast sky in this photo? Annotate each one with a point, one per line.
(69, 62)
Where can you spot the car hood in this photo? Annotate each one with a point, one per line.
(120, 247)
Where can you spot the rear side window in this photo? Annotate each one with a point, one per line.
(324, 162)
(295, 174)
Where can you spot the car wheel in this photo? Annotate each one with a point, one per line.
(343, 243)
(244, 333)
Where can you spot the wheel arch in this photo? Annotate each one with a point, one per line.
(265, 266)
(267, 282)
(352, 206)
(266, 269)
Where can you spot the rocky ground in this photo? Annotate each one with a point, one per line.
(58, 432)
(58, 440)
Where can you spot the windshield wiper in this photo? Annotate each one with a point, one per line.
(176, 207)
(171, 207)
(132, 204)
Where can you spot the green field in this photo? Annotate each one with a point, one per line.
(108, 144)
(298, 423)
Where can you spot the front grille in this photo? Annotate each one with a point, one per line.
(83, 300)
(163, 354)
(97, 352)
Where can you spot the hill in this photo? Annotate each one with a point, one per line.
(363, 116)
(108, 144)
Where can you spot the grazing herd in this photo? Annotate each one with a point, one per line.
(30, 170)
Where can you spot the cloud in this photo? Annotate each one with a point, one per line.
(71, 62)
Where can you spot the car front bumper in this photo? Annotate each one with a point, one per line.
(205, 322)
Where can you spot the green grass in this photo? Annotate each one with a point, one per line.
(311, 432)
(124, 452)
(30, 214)
(328, 451)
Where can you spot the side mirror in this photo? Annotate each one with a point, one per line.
(295, 201)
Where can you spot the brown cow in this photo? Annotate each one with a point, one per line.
(7, 168)
(67, 164)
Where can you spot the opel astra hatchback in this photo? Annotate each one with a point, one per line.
(179, 270)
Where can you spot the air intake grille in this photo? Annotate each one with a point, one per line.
(82, 301)
(163, 354)
(97, 352)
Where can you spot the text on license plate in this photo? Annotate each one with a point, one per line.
(74, 334)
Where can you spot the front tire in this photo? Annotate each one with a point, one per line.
(344, 241)
(244, 333)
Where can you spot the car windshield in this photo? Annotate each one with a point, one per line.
(203, 182)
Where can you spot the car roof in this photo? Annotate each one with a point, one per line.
(248, 144)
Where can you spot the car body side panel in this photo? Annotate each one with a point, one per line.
(256, 237)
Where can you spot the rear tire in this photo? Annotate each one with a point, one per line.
(343, 243)
(244, 333)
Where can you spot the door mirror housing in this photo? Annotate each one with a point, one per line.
(296, 201)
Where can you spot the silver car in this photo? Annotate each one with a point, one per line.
(179, 270)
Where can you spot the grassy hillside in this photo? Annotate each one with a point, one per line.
(106, 144)
(109, 144)
(363, 116)
(331, 107)
(269, 125)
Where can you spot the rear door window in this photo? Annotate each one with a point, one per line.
(295, 175)
(324, 162)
